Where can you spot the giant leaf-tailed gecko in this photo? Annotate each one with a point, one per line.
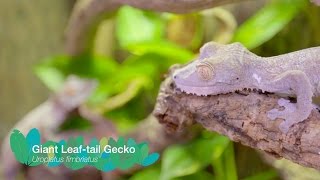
(222, 69)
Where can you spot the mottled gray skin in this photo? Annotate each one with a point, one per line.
(223, 69)
(47, 118)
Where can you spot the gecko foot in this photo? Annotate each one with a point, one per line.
(276, 113)
(285, 125)
(289, 114)
(289, 119)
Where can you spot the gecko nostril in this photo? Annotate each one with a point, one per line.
(174, 77)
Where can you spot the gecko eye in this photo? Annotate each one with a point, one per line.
(205, 70)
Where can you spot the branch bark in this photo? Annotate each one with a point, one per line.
(84, 19)
(83, 24)
(176, 6)
(242, 117)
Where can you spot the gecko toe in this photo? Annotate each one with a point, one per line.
(284, 127)
(273, 114)
(283, 102)
(289, 107)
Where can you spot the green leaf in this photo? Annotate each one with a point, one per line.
(51, 77)
(230, 164)
(134, 26)
(75, 121)
(200, 175)
(206, 150)
(19, 146)
(267, 22)
(163, 48)
(147, 174)
(266, 175)
(54, 69)
(218, 166)
(177, 162)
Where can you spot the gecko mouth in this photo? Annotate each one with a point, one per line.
(196, 90)
(215, 90)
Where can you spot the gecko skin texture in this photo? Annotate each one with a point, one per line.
(222, 69)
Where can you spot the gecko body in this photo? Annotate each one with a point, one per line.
(223, 69)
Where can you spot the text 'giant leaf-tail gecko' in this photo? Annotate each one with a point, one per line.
(223, 69)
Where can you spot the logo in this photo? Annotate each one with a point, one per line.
(104, 154)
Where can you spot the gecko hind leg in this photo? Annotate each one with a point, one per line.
(298, 82)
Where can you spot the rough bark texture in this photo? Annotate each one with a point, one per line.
(242, 117)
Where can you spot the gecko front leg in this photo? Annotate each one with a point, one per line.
(298, 82)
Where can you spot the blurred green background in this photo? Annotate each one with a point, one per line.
(130, 55)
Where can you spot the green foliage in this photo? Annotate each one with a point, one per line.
(147, 174)
(200, 175)
(267, 175)
(190, 161)
(75, 122)
(130, 80)
(136, 26)
(177, 162)
(50, 76)
(230, 169)
(166, 49)
(267, 22)
(53, 71)
(215, 146)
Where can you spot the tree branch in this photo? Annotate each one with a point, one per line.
(176, 6)
(242, 117)
(85, 18)
(83, 24)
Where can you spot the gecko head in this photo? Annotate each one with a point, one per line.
(75, 91)
(214, 72)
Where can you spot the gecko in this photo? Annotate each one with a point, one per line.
(47, 117)
(222, 69)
